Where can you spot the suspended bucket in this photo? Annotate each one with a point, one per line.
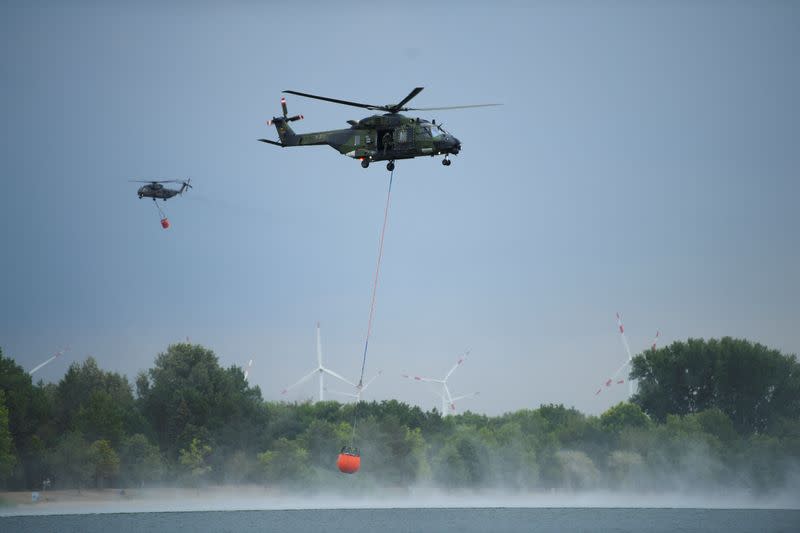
(349, 460)
(165, 223)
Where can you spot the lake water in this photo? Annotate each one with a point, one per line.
(466, 520)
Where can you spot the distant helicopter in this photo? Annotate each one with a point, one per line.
(154, 189)
(386, 137)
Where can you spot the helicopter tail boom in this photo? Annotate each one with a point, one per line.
(285, 132)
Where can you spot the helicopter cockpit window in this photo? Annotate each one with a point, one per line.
(434, 130)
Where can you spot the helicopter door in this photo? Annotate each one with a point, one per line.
(385, 140)
(403, 137)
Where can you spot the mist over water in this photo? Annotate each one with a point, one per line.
(249, 497)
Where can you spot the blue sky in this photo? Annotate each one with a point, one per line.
(645, 161)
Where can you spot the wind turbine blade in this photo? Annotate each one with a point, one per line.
(620, 369)
(655, 341)
(48, 361)
(40, 365)
(460, 360)
(337, 376)
(627, 349)
(319, 348)
(464, 396)
(300, 381)
(622, 336)
(418, 378)
(370, 381)
(427, 380)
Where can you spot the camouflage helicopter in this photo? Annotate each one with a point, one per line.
(154, 189)
(386, 137)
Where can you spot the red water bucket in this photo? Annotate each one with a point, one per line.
(348, 463)
(165, 222)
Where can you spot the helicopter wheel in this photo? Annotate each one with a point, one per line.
(446, 162)
(364, 163)
(390, 166)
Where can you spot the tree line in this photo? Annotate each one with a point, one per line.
(707, 413)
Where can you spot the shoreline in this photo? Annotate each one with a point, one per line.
(259, 498)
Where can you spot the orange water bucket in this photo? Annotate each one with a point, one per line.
(165, 222)
(349, 462)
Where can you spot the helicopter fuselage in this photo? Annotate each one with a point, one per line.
(378, 138)
(156, 191)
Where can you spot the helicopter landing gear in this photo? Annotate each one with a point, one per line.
(364, 163)
(446, 162)
(390, 166)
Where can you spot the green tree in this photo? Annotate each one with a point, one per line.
(97, 403)
(462, 461)
(322, 440)
(71, 462)
(750, 383)
(623, 415)
(240, 467)
(7, 457)
(193, 461)
(511, 456)
(100, 417)
(578, 469)
(188, 395)
(29, 421)
(140, 461)
(626, 469)
(285, 462)
(104, 461)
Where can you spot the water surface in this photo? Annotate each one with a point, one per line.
(467, 520)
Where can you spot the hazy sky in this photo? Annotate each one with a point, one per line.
(645, 161)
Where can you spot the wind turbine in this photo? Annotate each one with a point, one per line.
(448, 400)
(359, 390)
(321, 370)
(610, 381)
(52, 358)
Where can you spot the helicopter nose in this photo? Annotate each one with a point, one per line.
(456, 146)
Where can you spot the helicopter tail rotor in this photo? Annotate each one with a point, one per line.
(285, 117)
(285, 133)
(185, 184)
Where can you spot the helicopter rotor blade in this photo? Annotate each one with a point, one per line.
(448, 107)
(157, 181)
(337, 101)
(399, 105)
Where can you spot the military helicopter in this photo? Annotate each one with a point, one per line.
(154, 189)
(386, 137)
